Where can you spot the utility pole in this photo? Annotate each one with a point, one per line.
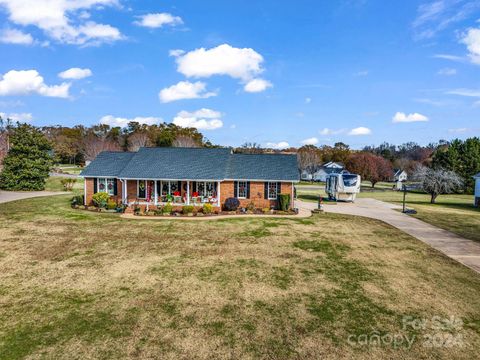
(404, 188)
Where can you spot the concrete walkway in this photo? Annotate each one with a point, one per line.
(7, 196)
(462, 250)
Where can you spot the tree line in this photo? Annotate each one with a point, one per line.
(376, 163)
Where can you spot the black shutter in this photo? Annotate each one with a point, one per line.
(235, 189)
(194, 186)
(179, 187)
(95, 186)
(248, 189)
(279, 188)
(265, 190)
(115, 188)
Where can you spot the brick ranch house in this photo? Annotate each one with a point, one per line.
(190, 176)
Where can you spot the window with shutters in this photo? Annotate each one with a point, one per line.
(242, 189)
(106, 185)
(272, 190)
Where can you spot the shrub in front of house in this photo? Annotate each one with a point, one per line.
(167, 209)
(207, 208)
(111, 205)
(188, 209)
(232, 204)
(283, 202)
(100, 199)
(77, 200)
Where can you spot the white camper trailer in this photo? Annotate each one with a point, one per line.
(343, 186)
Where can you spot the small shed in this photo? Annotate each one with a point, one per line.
(477, 190)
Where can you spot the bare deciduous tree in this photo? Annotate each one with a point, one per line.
(437, 181)
(138, 140)
(185, 141)
(94, 145)
(309, 159)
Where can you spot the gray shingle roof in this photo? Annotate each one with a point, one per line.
(279, 167)
(193, 164)
(107, 163)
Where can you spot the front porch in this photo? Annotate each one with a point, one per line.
(176, 192)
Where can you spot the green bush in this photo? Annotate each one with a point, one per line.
(100, 199)
(28, 160)
(111, 205)
(68, 183)
(283, 201)
(167, 209)
(188, 209)
(251, 206)
(77, 200)
(207, 208)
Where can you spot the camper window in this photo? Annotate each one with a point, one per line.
(349, 180)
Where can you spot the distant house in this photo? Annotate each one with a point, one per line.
(399, 175)
(322, 171)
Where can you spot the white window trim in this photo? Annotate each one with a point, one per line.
(246, 190)
(268, 190)
(106, 185)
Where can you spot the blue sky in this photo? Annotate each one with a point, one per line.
(271, 72)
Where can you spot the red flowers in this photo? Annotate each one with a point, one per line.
(195, 194)
(176, 193)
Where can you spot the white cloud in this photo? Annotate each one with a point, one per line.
(224, 59)
(123, 122)
(310, 141)
(465, 92)
(25, 82)
(203, 119)
(447, 72)
(327, 131)
(360, 131)
(401, 117)
(185, 90)
(176, 52)
(458, 130)
(449, 57)
(361, 73)
(472, 40)
(279, 146)
(14, 36)
(308, 100)
(63, 20)
(257, 85)
(437, 15)
(75, 73)
(20, 117)
(158, 20)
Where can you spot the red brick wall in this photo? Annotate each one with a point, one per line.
(226, 191)
(90, 188)
(256, 193)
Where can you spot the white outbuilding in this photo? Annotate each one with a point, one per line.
(477, 190)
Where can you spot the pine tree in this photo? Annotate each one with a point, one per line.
(28, 161)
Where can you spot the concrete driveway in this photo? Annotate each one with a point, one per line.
(463, 250)
(6, 196)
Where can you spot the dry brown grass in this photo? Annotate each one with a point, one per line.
(86, 285)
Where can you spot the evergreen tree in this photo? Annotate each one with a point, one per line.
(462, 157)
(28, 161)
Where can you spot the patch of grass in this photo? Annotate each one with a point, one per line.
(98, 286)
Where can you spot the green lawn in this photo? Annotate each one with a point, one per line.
(451, 212)
(53, 183)
(92, 285)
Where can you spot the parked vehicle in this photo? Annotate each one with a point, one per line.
(343, 186)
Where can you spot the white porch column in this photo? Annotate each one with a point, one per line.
(188, 192)
(125, 195)
(156, 195)
(218, 193)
